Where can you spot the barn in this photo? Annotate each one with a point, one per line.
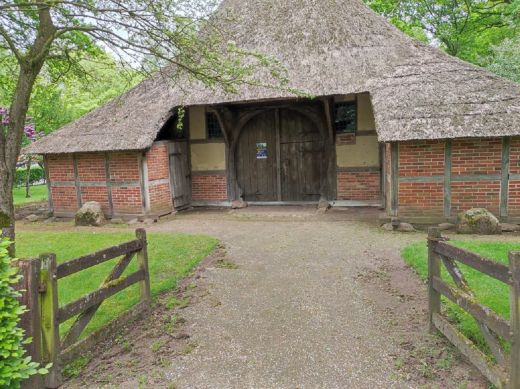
(392, 123)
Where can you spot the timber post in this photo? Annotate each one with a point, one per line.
(514, 369)
(142, 260)
(434, 270)
(30, 321)
(50, 323)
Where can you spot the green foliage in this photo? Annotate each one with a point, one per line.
(490, 292)
(483, 32)
(36, 174)
(15, 366)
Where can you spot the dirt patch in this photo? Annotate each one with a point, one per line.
(138, 355)
(426, 360)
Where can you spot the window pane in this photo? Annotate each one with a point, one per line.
(214, 130)
(345, 117)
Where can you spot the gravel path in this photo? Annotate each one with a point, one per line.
(316, 301)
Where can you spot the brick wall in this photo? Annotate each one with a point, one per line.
(63, 189)
(125, 181)
(159, 189)
(421, 159)
(476, 172)
(359, 186)
(92, 176)
(209, 188)
(476, 157)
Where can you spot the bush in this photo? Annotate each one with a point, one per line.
(37, 174)
(15, 366)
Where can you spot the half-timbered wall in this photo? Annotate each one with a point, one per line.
(358, 156)
(208, 161)
(438, 179)
(124, 183)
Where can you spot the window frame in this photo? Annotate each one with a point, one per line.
(353, 103)
(215, 118)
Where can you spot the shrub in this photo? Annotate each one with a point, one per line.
(15, 366)
(37, 174)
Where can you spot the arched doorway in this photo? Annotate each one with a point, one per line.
(280, 157)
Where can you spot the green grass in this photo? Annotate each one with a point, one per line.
(171, 257)
(38, 194)
(488, 291)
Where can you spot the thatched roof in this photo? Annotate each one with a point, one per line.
(330, 47)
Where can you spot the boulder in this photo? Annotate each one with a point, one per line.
(117, 220)
(32, 218)
(90, 214)
(324, 206)
(239, 204)
(507, 227)
(387, 227)
(133, 222)
(478, 221)
(405, 227)
(446, 226)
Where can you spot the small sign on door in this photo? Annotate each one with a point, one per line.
(261, 151)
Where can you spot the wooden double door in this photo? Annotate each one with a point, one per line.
(280, 157)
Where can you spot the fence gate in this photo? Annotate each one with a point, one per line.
(44, 316)
(503, 370)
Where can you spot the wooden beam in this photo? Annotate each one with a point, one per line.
(434, 271)
(48, 182)
(98, 296)
(469, 304)
(504, 182)
(447, 178)
(493, 373)
(109, 184)
(514, 300)
(395, 178)
(76, 180)
(70, 267)
(478, 262)
(278, 154)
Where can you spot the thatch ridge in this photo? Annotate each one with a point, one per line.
(330, 47)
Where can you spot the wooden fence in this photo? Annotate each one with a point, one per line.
(503, 370)
(44, 316)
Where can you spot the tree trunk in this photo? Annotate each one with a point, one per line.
(10, 145)
(28, 178)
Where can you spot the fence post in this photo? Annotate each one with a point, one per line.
(50, 324)
(142, 259)
(514, 268)
(30, 321)
(434, 270)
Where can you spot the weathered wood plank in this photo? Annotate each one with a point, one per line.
(504, 183)
(394, 188)
(466, 293)
(492, 372)
(478, 262)
(447, 178)
(480, 312)
(30, 321)
(142, 260)
(50, 325)
(84, 318)
(70, 267)
(434, 271)
(514, 298)
(96, 297)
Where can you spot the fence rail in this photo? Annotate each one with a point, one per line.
(503, 370)
(39, 288)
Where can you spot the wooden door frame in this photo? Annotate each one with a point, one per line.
(234, 120)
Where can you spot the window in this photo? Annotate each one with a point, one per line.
(345, 117)
(213, 126)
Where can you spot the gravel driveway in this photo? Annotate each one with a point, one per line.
(315, 301)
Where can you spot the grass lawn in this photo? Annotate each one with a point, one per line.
(170, 258)
(488, 291)
(38, 194)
